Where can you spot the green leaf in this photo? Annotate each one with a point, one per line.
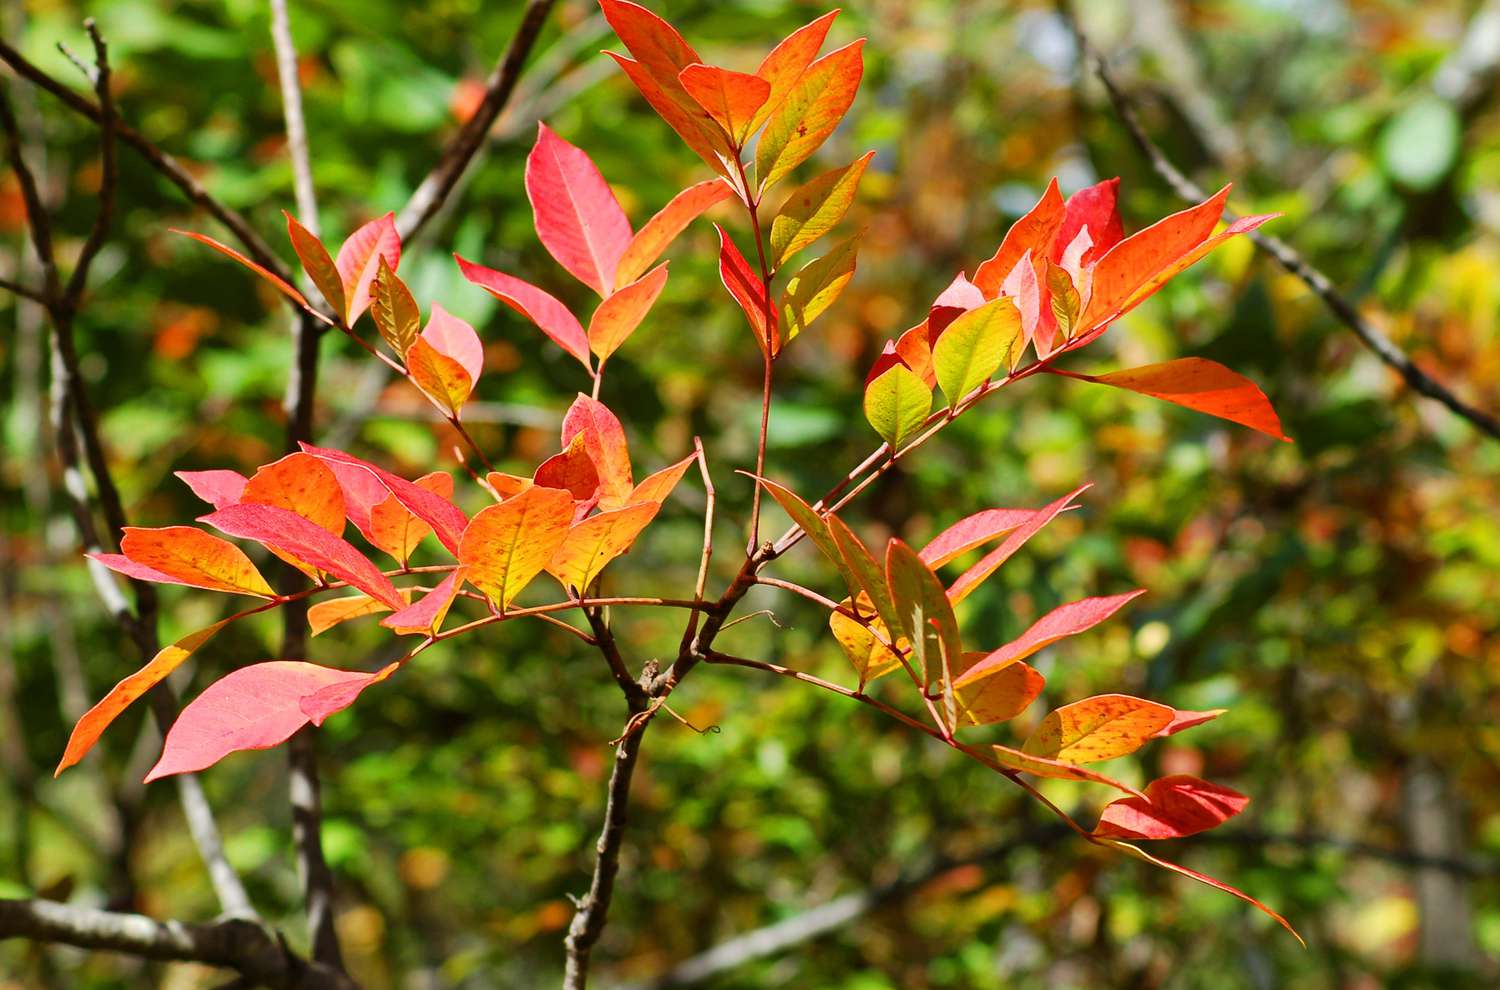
(814, 209)
(816, 286)
(897, 404)
(394, 310)
(924, 614)
(974, 346)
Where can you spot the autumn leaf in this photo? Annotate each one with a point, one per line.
(394, 311)
(923, 614)
(218, 487)
(323, 616)
(578, 219)
(1063, 621)
(302, 484)
(1095, 209)
(674, 106)
(316, 263)
(809, 112)
(446, 360)
(960, 296)
(591, 544)
(870, 581)
(120, 697)
(897, 404)
(1098, 728)
(619, 314)
(393, 528)
(975, 346)
(785, 64)
(309, 543)
(1182, 719)
(815, 209)
(1174, 807)
(425, 614)
(998, 697)
(1042, 766)
(662, 229)
(445, 518)
(864, 642)
(604, 439)
(184, 555)
(550, 316)
(571, 470)
(507, 545)
(659, 485)
(255, 707)
(749, 291)
(990, 562)
(1033, 233)
(729, 99)
(358, 262)
(971, 532)
(280, 284)
(817, 285)
(1201, 385)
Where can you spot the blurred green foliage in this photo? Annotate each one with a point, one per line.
(1341, 596)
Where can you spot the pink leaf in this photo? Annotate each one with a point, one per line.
(970, 532)
(551, 316)
(1094, 207)
(577, 216)
(1174, 807)
(358, 262)
(307, 541)
(454, 338)
(255, 707)
(1182, 719)
(958, 298)
(445, 518)
(1063, 621)
(604, 439)
(970, 579)
(426, 613)
(217, 488)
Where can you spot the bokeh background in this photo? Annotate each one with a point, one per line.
(1340, 595)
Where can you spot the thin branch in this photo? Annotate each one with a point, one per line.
(708, 542)
(255, 247)
(35, 295)
(108, 172)
(304, 787)
(247, 947)
(593, 907)
(604, 638)
(429, 196)
(1284, 254)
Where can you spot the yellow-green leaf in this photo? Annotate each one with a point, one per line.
(394, 310)
(897, 404)
(975, 346)
(814, 209)
(816, 285)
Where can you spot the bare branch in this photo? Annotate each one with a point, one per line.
(1286, 256)
(245, 946)
(35, 295)
(109, 171)
(435, 188)
(158, 159)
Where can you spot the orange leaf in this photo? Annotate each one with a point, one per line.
(184, 555)
(675, 107)
(809, 112)
(120, 697)
(316, 262)
(652, 239)
(1098, 728)
(730, 99)
(597, 540)
(442, 378)
(787, 61)
(1042, 766)
(1001, 696)
(281, 285)
(619, 314)
(658, 486)
(393, 528)
(1034, 232)
(302, 484)
(1203, 385)
(323, 616)
(507, 545)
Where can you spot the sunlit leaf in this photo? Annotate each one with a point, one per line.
(661, 230)
(550, 316)
(809, 112)
(323, 616)
(730, 99)
(316, 262)
(975, 346)
(814, 209)
(1098, 728)
(578, 219)
(571, 470)
(1063, 621)
(445, 518)
(749, 291)
(787, 61)
(184, 555)
(425, 614)
(604, 439)
(1174, 807)
(1202, 385)
(394, 310)
(999, 697)
(897, 404)
(1034, 232)
(990, 562)
(616, 318)
(923, 613)
(218, 487)
(971, 532)
(507, 545)
(591, 544)
(358, 262)
(658, 486)
(817, 285)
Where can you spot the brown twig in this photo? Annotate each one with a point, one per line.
(455, 158)
(1285, 255)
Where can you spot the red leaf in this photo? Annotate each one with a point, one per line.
(358, 261)
(1202, 385)
(1186, 720)
(1063, 621)
(1096, 208)
(970, 532)
(578, 219)
(218, 488)
(604, 439)
(1174, 807)
(572, 470)
(675, 107)
(426, 614)
(1130, 263)
(281, 285)
(787, 61)
(551, 316)
(730, 99)
(445, 518)
(970, 579)
(390, 525)
(255, 707)
(288, 532)
(1034, 232)
(652, 239)
(749, 291)
(1202, 878)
